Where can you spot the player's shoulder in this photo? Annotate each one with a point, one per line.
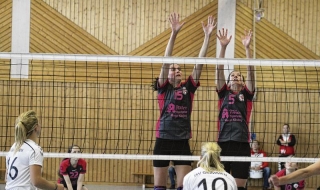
(31, 145)
(191, 174)
(281, 173)
(228, 175)
(65, 161)
(82, 161)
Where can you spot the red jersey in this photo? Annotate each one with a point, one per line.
(73, 172)
(293, 186)
(287, 150)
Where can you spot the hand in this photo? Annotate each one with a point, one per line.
(223, 37)
(274, 180)
(246, 39)
(210, 26)
(60, 187)
(257, 168)
(175, 24)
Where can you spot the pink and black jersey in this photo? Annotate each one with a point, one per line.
(73, 172)
(234, 116)
(175, 106)
(293, 186)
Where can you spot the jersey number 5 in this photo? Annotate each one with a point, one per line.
(178, 95)
(213, 185)
(231, 98)
(12, 167)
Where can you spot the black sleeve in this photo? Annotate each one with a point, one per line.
(163, 88)
(249, 95)
(278, 141)
(222, 91)
(191, 85)
(293, 141)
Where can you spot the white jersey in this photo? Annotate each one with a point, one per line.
(18, 165)
(199, 179)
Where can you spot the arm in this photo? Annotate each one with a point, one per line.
(175, 26)
(292, 141)
(246, 40)
(277, 188)
(68, 182)
(80, 181)
(40, 182)
(298, 175)
(224, 41)
(279, 141)
(203, 52)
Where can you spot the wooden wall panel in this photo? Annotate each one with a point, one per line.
(106, 20)
(299, 19)
(51, 32)
(120, 119)
(5, 25)
(124, 25)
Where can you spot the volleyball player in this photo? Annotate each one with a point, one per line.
(235, 104)
(175, 96)
(289, 168)
(25, 158)
(73, 170)
(298, 175)
(210, 173)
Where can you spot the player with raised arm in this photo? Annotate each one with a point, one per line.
(175, 97)
(235, 105)
(25, 158)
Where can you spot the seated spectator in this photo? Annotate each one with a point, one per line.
(258, 166)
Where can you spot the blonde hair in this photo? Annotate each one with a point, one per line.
(24, 126)
(210, 157)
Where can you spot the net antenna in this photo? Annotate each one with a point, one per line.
(259, 12)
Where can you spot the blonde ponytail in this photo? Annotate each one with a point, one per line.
(210, 157)
(24, 126)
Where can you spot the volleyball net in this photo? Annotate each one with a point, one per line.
(105, 104)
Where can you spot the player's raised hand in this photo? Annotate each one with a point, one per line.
(223, 37)
(210, 25)
(175, 22)
(246, 39)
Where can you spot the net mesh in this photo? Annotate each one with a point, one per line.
(105, 105)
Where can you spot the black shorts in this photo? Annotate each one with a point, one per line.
(171, 147)
(238, 170)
